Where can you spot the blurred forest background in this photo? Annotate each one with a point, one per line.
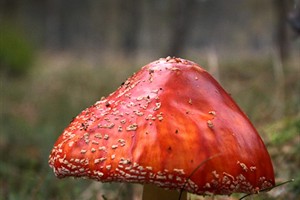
(57, 57)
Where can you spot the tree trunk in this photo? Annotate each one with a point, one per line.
(281, 11)
(130, 25)
(182, 12)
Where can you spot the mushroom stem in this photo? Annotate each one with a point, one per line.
(153, 192)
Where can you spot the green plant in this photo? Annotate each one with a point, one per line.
(16, 51)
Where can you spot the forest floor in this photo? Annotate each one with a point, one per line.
(36, 107)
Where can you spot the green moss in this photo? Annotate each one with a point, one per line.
(284, 130)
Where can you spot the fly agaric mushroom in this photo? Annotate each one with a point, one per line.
(172, 125)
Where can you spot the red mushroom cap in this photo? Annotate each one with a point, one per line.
(170, 124)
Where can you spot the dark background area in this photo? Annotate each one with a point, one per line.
(57, 57)
(157, 27)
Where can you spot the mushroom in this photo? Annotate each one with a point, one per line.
(171, 125)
